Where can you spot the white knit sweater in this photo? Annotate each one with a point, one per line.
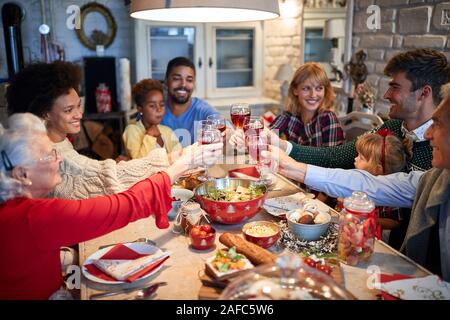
(83, 177)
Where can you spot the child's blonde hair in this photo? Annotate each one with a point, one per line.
(396, 152)
(315, 72)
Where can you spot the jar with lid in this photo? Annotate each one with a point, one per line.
(103, 98)
(189, 215)
(357, 228)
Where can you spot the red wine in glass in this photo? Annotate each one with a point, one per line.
(238, 119)
(239, 112)
(217, 121)
(207, 135)
(221, 127)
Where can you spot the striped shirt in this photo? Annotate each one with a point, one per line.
(324, 129)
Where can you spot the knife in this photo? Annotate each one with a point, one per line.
(151, 287)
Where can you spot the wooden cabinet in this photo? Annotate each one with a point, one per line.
(228, 57)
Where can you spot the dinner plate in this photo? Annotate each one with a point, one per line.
(279, 206)
(140, 247)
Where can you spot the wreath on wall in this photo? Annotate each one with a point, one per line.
(97, 37)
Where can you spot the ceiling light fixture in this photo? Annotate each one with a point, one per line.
(204, 10)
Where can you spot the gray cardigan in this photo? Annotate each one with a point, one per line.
(432, 198)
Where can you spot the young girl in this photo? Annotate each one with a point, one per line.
(308, 119)
(147, 134)
(382, 153)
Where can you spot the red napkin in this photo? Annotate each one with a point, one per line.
(251, 172)
(389, 278)
(122, 252)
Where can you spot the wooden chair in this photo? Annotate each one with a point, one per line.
(356, 123)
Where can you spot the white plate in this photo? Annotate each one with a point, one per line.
(280, 205)
(229, 274)
(140, 247)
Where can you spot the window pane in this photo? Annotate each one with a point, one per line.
(317, 49)
(234, 57)
(167, 43)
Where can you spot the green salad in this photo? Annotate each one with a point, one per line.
(235, 195)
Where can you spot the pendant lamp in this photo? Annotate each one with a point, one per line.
(204, 10)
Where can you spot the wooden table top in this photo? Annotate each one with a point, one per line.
(182, 271)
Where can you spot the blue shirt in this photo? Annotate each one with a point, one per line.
(393, 190)
(184, 124)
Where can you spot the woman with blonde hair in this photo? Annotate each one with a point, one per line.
(308, 118)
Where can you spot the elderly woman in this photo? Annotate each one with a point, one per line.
(29, 170)
(50, 92)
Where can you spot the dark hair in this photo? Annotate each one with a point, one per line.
(179, 61)
(36, 87)
(422, 67)
(142, 88)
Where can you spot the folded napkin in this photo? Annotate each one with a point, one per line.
(286, 203)
(425, 288)
(245, 173)
(124, 264)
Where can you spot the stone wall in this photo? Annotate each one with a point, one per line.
(56, 17)
(282, 45)
(123, 45)
(405, 25)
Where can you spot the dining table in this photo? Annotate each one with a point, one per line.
(184, 269)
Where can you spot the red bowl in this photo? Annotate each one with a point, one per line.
(262, 240)
(227, 212)
(202, 243)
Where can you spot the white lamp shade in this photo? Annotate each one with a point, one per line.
(284, 72)
(334, 28)
(204, 10)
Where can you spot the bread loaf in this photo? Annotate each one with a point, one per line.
(253, 252)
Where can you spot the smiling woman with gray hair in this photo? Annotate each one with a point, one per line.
(16, 140)
(29, 170)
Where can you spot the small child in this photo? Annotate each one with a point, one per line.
(383, 153)
(147, 134)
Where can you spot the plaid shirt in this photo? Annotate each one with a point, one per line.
(324, 130)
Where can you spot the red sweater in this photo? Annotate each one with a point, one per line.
(33, 230)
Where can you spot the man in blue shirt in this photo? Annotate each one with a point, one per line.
(182, 110)
(427, 239)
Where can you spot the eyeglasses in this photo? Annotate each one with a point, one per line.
(53, 156)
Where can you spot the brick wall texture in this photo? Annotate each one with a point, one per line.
(412, 24)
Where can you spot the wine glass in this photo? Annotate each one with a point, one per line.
(239, 112)
(217, 121)
(207, 134)
(256, 144)
(253, 125)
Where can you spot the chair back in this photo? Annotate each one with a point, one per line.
(356, 123)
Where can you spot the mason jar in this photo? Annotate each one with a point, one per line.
(357, 229)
